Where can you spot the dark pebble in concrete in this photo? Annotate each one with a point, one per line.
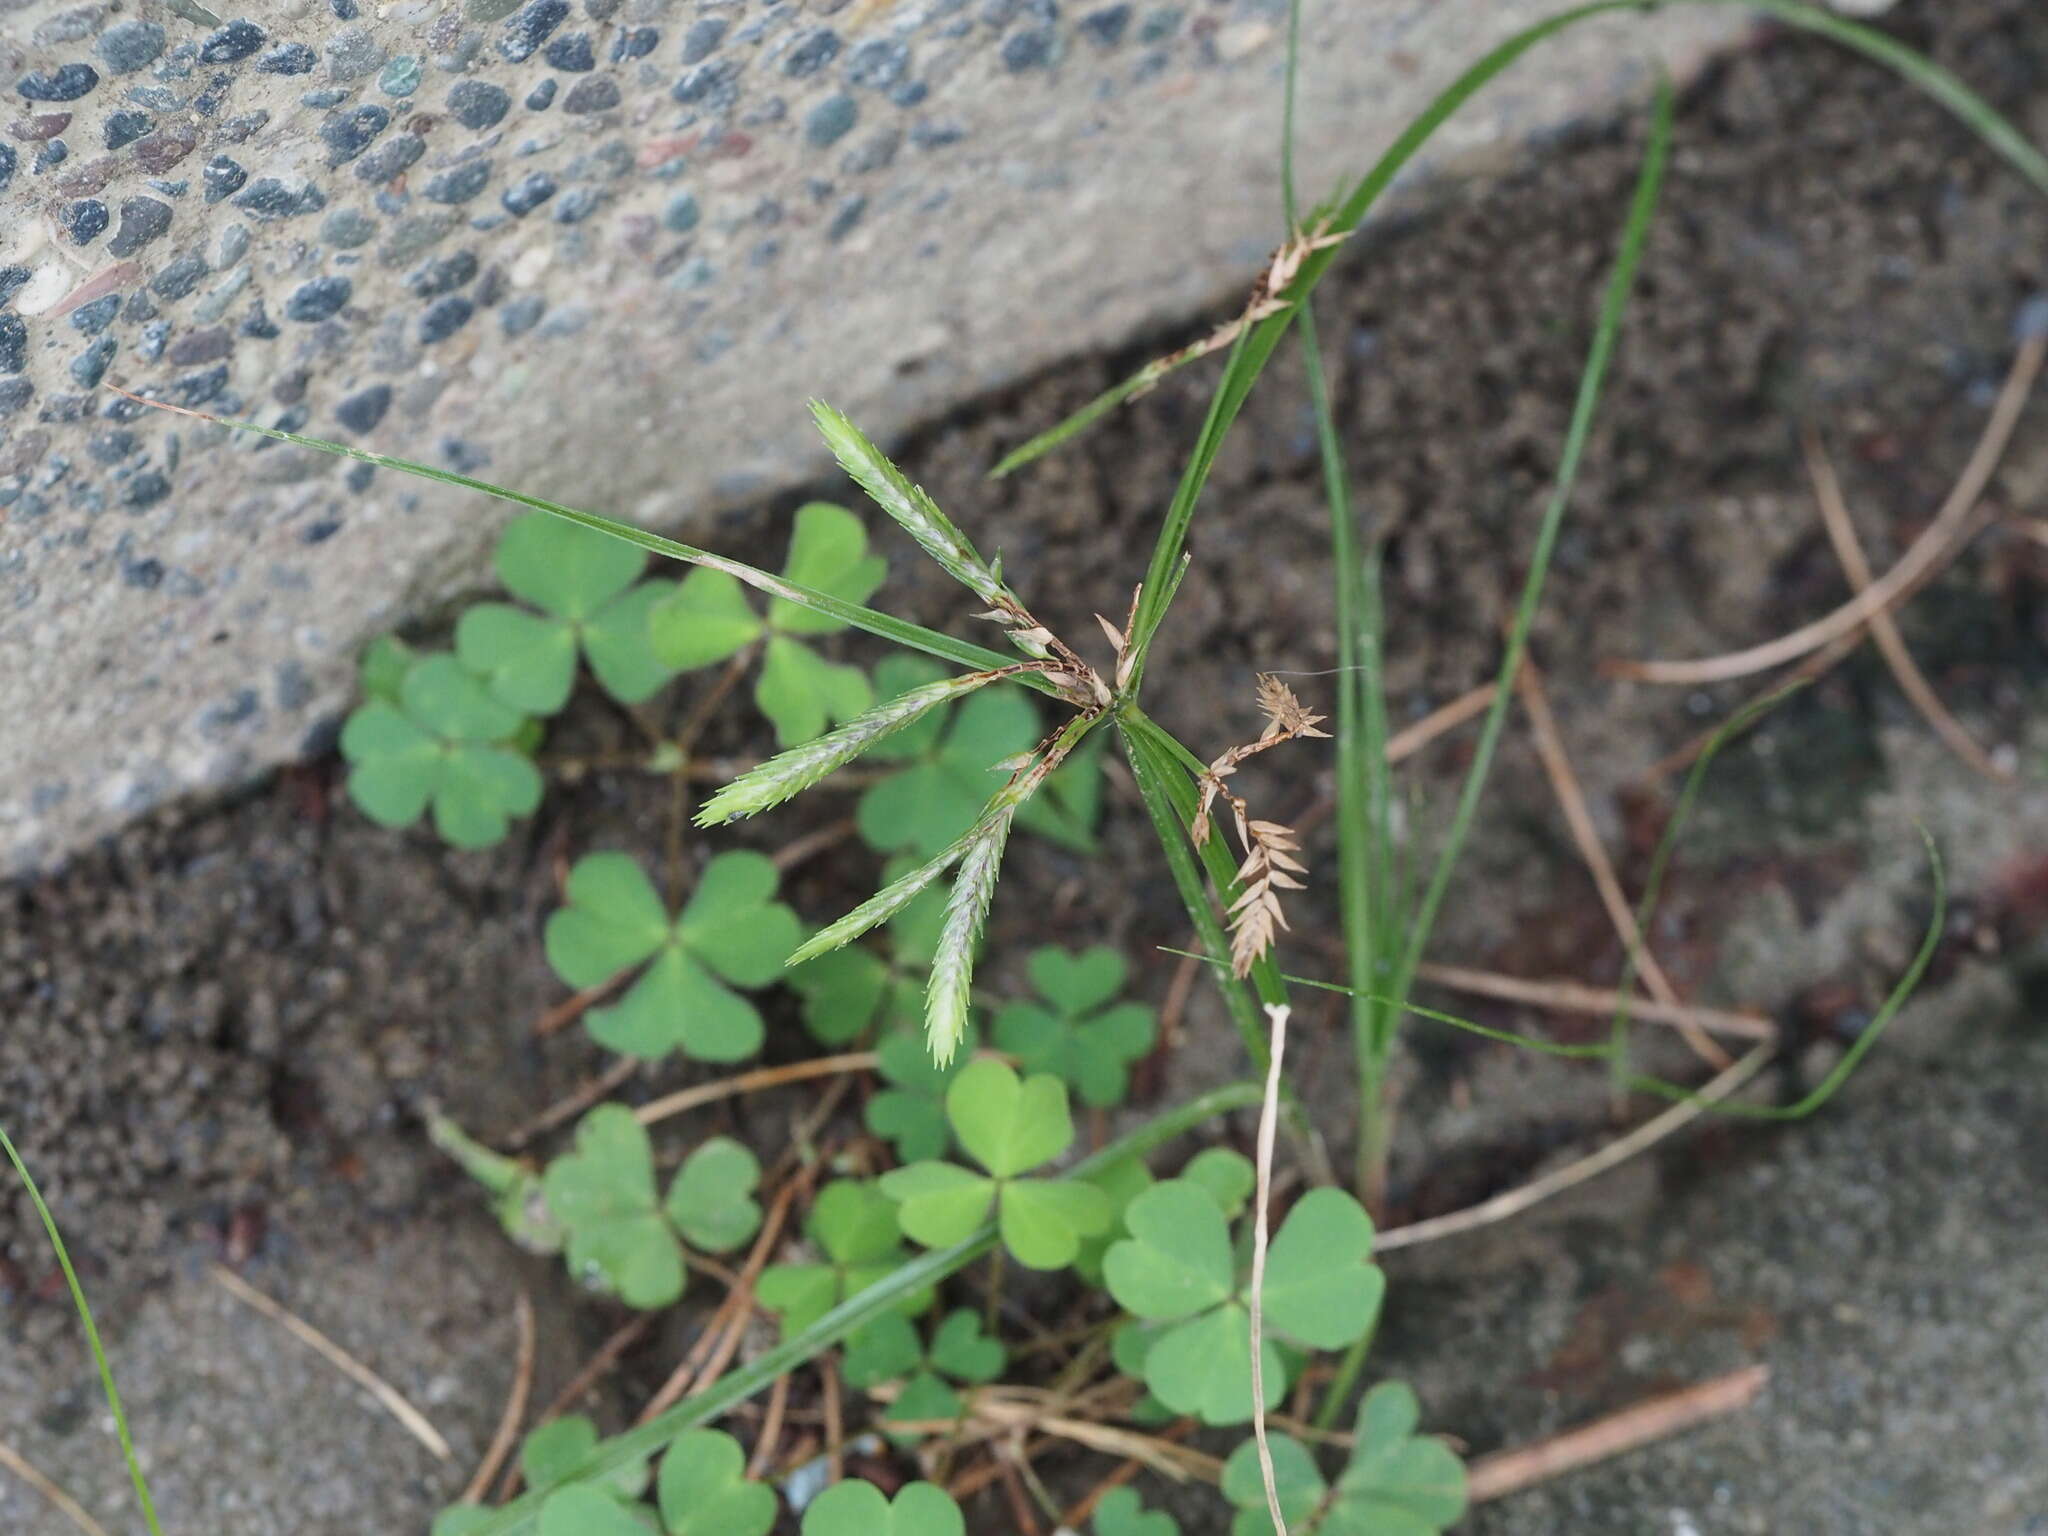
(705, 34)
(812, 53)
(522, 314)
(528, 193)
(442, 275)
(13, 344)
(236, 40)
(830, 120)
(85, 220)
(348, 134)
(542, 96)
(572, 54)
(394, 156)
(460, 184)
(288, 59)
(600, 93)
(525, 32)
(179, 276)
(319, 299)
(67, 83)
(365, 408)
(125, 127)
(1106, 27)
(269, 198)
(96, 316)
(1029, 49)
(90, 366)
(222, 177)
(477, 104)
(878, 64)
(444, 317)
(143, 219)
(130, 45)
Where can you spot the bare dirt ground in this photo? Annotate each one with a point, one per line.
(222, 1027)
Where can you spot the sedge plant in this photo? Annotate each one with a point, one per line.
(452, 741)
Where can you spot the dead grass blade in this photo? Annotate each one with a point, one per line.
(1571, 799)
(507, 1434)
(1613, 1155)
(1933, 545)
(1466, 706)
(388, 1397)
(1573, 997)
(59, 1500)
(1640, 1424)
(1834, 511)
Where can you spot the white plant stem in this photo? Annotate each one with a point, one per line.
(1269, 1120)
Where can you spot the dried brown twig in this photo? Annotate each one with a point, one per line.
(1270, 865)
(1834, 511)
(1635, 1426)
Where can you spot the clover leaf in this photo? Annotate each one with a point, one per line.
(582, 581)
(1120, 1513)
(728, 932)
(381, 673)
(445, 742)
(949, 760)
(703, 1489)
(602, 1194)
(581, 1510)
(888, 1350)
(854, 1227)
(1296, 1479)
(708, 618)
(1076, 1038)
(1009, 1126)
(861, 1509)
(555, 1452)
(1178, 1267)
(712, 1200)
(1121, 1182)
(1228, 1177)
(964, 1352)
(1397, 1483)
(911, 1112)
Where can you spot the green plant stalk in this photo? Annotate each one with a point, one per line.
(644, 1440)
(1924, 74)
(92, 1336)
(1364, 842)
(1155, 781)
(1170, 802)
(913, 636)
(1591, 381)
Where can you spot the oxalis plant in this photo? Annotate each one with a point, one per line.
(1208, 1304)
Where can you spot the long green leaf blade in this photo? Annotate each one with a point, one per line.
(92, 1335)
(914, 636)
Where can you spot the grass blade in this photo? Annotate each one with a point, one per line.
(913, 636)
(883, 905)
(949, 997)
(790, 773)
(1612, 308)
(1256, 348)
(92, 1336)
(911, 509)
